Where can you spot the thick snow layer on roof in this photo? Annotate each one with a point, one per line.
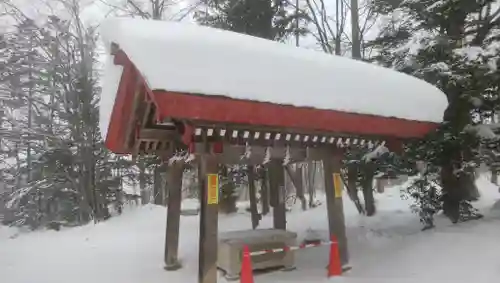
(111, 81)
(193, 59)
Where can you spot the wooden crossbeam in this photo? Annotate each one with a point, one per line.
(276, 138)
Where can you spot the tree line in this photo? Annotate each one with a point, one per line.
(55, 167)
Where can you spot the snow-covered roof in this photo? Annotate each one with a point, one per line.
(188, 58)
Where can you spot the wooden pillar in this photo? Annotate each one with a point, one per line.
(277, 193)
(174, 187)
(209, 202)
(333, 189)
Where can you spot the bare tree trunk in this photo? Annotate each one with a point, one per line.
(451, 198)
(30, 108)
(367, 172)
(253, 199)
(297, 34)
(356, 43)
(290, 189)
(325, 34)
(312, 170)
(338, 12)
(299, 185)
(330, 39)
(17, 186)
(469, 182)
(142, 183)
(380, 185)
(264, 194)
(227, 200)
(311, 188)
(296, 178)
(494, 176)
(352, 187)
(276, 185)
(158, 186)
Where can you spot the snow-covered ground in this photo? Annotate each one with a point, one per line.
(386, 248)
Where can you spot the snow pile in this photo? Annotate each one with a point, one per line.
(193, 59)
(111, 80)
(190, 203)
(7, 233)
(376, 153)
(386, 248)
(489, 192)
(484, 131)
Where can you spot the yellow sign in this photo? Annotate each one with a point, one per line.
(337, 185)
(212, 188)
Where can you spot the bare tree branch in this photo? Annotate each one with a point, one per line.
(139, 11)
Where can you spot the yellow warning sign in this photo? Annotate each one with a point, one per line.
(212, 188)
(337, 184)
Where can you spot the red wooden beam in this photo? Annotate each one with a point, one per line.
(120, 116)
(219, 109)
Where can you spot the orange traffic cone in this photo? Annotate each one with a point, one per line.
(334, 266)
(246, 275)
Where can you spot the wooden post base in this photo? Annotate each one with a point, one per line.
(174, 186)
(276, 185)
(333, 189)
(209, 202)
(173, 266)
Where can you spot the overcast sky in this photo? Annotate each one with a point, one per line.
(94, 11)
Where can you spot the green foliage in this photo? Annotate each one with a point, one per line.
(270, 19)
(452, 44)
(55, 165)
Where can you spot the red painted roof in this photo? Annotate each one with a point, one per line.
(217, 109)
